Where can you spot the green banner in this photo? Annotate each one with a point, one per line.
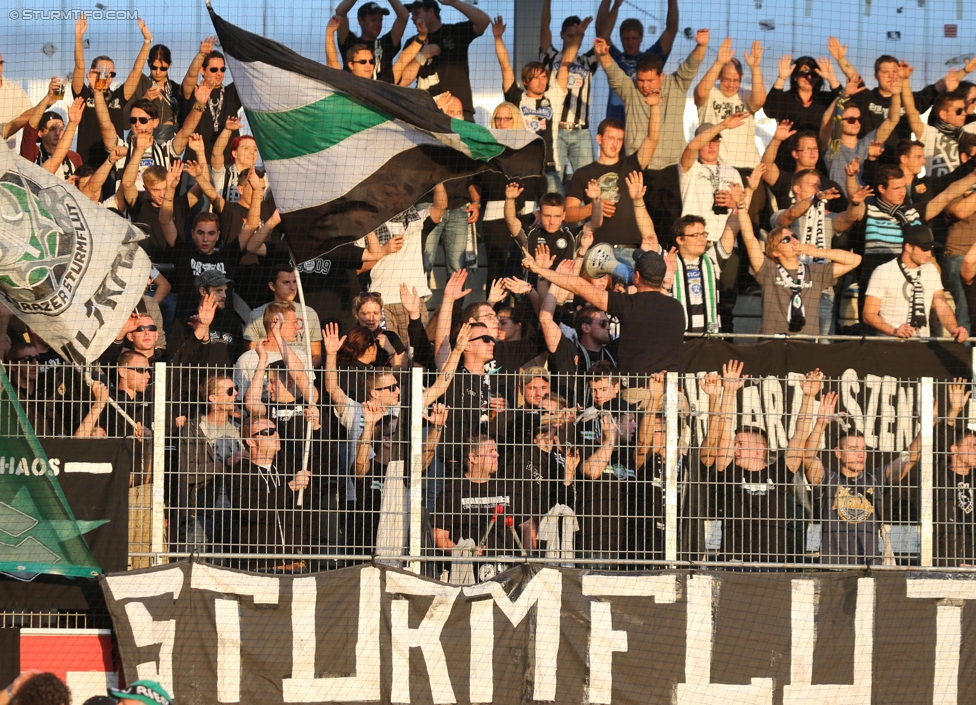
(38, 531)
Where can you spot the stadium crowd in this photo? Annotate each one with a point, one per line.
(544, 395)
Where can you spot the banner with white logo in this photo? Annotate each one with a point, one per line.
(69, 268)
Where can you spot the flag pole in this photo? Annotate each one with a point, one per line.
(307, 448)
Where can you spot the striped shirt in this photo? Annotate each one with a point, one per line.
(159, 154)
(576, 106)
(882, 232)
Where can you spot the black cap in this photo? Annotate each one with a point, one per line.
(651, 267)
(371, 8)
(421, 4)
(919, 235)
(569, 22)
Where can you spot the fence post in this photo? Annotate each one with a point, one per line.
(671, 468)
(416, 465)
(926, 398)
(159, 461)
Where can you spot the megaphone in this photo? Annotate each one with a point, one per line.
(601, 261)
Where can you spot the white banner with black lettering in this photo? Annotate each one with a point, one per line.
(69, 268)
(375, 634)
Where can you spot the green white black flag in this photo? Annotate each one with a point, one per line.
(345, 154)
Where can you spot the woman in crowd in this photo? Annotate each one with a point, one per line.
(162, 90)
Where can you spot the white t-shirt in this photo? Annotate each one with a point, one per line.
(889, 284)
(698, 187)
(248, 362)
(13, 103)
(406, 266)
(738, 147)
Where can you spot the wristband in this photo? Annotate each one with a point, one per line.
(10, 692)
(198, 107)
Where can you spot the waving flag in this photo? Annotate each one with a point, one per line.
(345, 154)
(70, 269)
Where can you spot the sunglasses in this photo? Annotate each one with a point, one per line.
(230, 391)
(786, 238)
(27, 358)
(603, 323)
(805, 73)
(214, 69)
(271, 431)
(484, 339)
(110, 74)
(371, 62)
(143, 329)
(958, 111)
(851, 120)
(133, 120)
(156, 67)
(395, 385)
(140, 370)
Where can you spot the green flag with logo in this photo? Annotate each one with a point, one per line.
(38, 532)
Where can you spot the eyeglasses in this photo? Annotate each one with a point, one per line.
(230, 391)
(484, 339)
(138, 120)
(27, 358)
(807, 149)
(2, 62)
(851, 120)
(270, 431)
(215, 69)
(805, 73)
(959, 111)
(394, 386)
(489, 316)
(602, 322)
(504, 119)
(786, 238)
(110, 74)
(157, 67)
(140, 370)
(143, 329)
(703, 234)
(371, 62)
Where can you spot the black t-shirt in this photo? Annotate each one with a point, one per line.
(652, 328)
(538, 114)
(330, 282)
(465, 510)
(561, 243)
(222, 104)
(145, 212)
(189, 263)
(755, 509)
(621, 229)
(384, 51)
(90, 145)
(449, 71)
(874, 111)
(603, 503)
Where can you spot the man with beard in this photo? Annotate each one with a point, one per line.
(215, 328)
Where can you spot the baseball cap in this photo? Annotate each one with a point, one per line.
(371, 8)
(99, 700)
(707, 126)
(919, 235)
(651, 266)
(149, 692)
(531, 373)
(211, 277)
(421, 4)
